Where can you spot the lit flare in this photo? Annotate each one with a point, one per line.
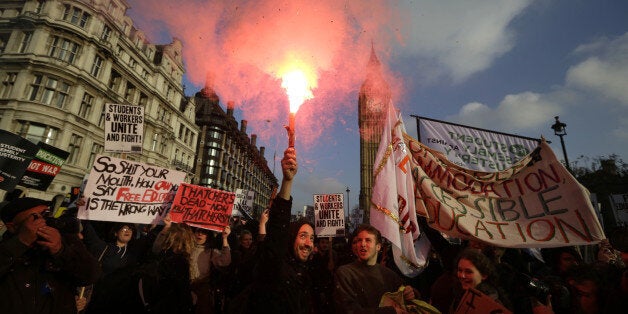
(298, 85)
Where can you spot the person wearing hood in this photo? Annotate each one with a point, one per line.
(117, 257)
(282, 283)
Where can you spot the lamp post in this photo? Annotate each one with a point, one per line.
(348, 207)
(560, 131)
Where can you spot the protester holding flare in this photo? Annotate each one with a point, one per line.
(282, 283)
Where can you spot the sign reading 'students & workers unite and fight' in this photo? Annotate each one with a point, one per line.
(329, 215)
(124, 128)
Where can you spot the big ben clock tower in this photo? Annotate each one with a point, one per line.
(374, 96)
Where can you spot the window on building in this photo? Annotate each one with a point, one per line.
(7, 84)
(40, 6)
(181, 128)
(86, 106)
(63, 49)
(129, 93)
(74, 148)
(96, 66)
(153, 146)
(114, 81)
(106, 33)
(101, 119)
(211, 171)
(36, 132)
(75, 16)
(4, 39)
(96, 149)
(168, 92)
(143, 100)
(49, 91)
(26, 40)
(162, 146)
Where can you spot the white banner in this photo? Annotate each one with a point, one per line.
(474, 148)
(329, 215)
(392, 209)
(243, 204)
(124, 128)
(128, 191)
(619, 204)
(534, 204)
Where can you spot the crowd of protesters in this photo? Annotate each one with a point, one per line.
(273, 265)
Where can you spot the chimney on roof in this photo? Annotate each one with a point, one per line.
(262, 150)
(254, 140)
(230, 106)
(243, 126)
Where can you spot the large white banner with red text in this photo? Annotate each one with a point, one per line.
(128, 191)
(535, 203)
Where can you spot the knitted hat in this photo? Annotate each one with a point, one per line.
(8, 210)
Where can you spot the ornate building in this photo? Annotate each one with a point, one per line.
(227, 158)
(373, 98)
(61, 61)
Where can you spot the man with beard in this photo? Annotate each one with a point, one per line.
(282, 283)
(359, 286)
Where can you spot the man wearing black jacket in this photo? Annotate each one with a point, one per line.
(282, 283)
(40, 267)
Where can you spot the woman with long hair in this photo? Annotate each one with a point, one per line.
(476, 271)
(173, 269)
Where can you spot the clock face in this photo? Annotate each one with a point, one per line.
(373, 105)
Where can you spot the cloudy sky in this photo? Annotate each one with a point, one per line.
(509, 66)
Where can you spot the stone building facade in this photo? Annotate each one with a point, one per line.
(62, 61)
(228, 159)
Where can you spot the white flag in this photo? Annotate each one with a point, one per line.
(393, 210)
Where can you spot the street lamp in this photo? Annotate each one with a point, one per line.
(347, 214)
(560, 131)
(348, 207)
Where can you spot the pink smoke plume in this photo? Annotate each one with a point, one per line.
(241, 44)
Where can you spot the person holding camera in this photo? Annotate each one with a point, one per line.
(40, 267)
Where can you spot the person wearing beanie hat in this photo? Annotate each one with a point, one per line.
(40, 267)
(282, 283)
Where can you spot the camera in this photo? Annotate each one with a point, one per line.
(537, 288)
(551, 285)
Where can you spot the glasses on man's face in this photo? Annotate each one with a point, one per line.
(125, 229)
(44, 214)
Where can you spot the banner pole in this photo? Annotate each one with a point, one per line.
(418, 130)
